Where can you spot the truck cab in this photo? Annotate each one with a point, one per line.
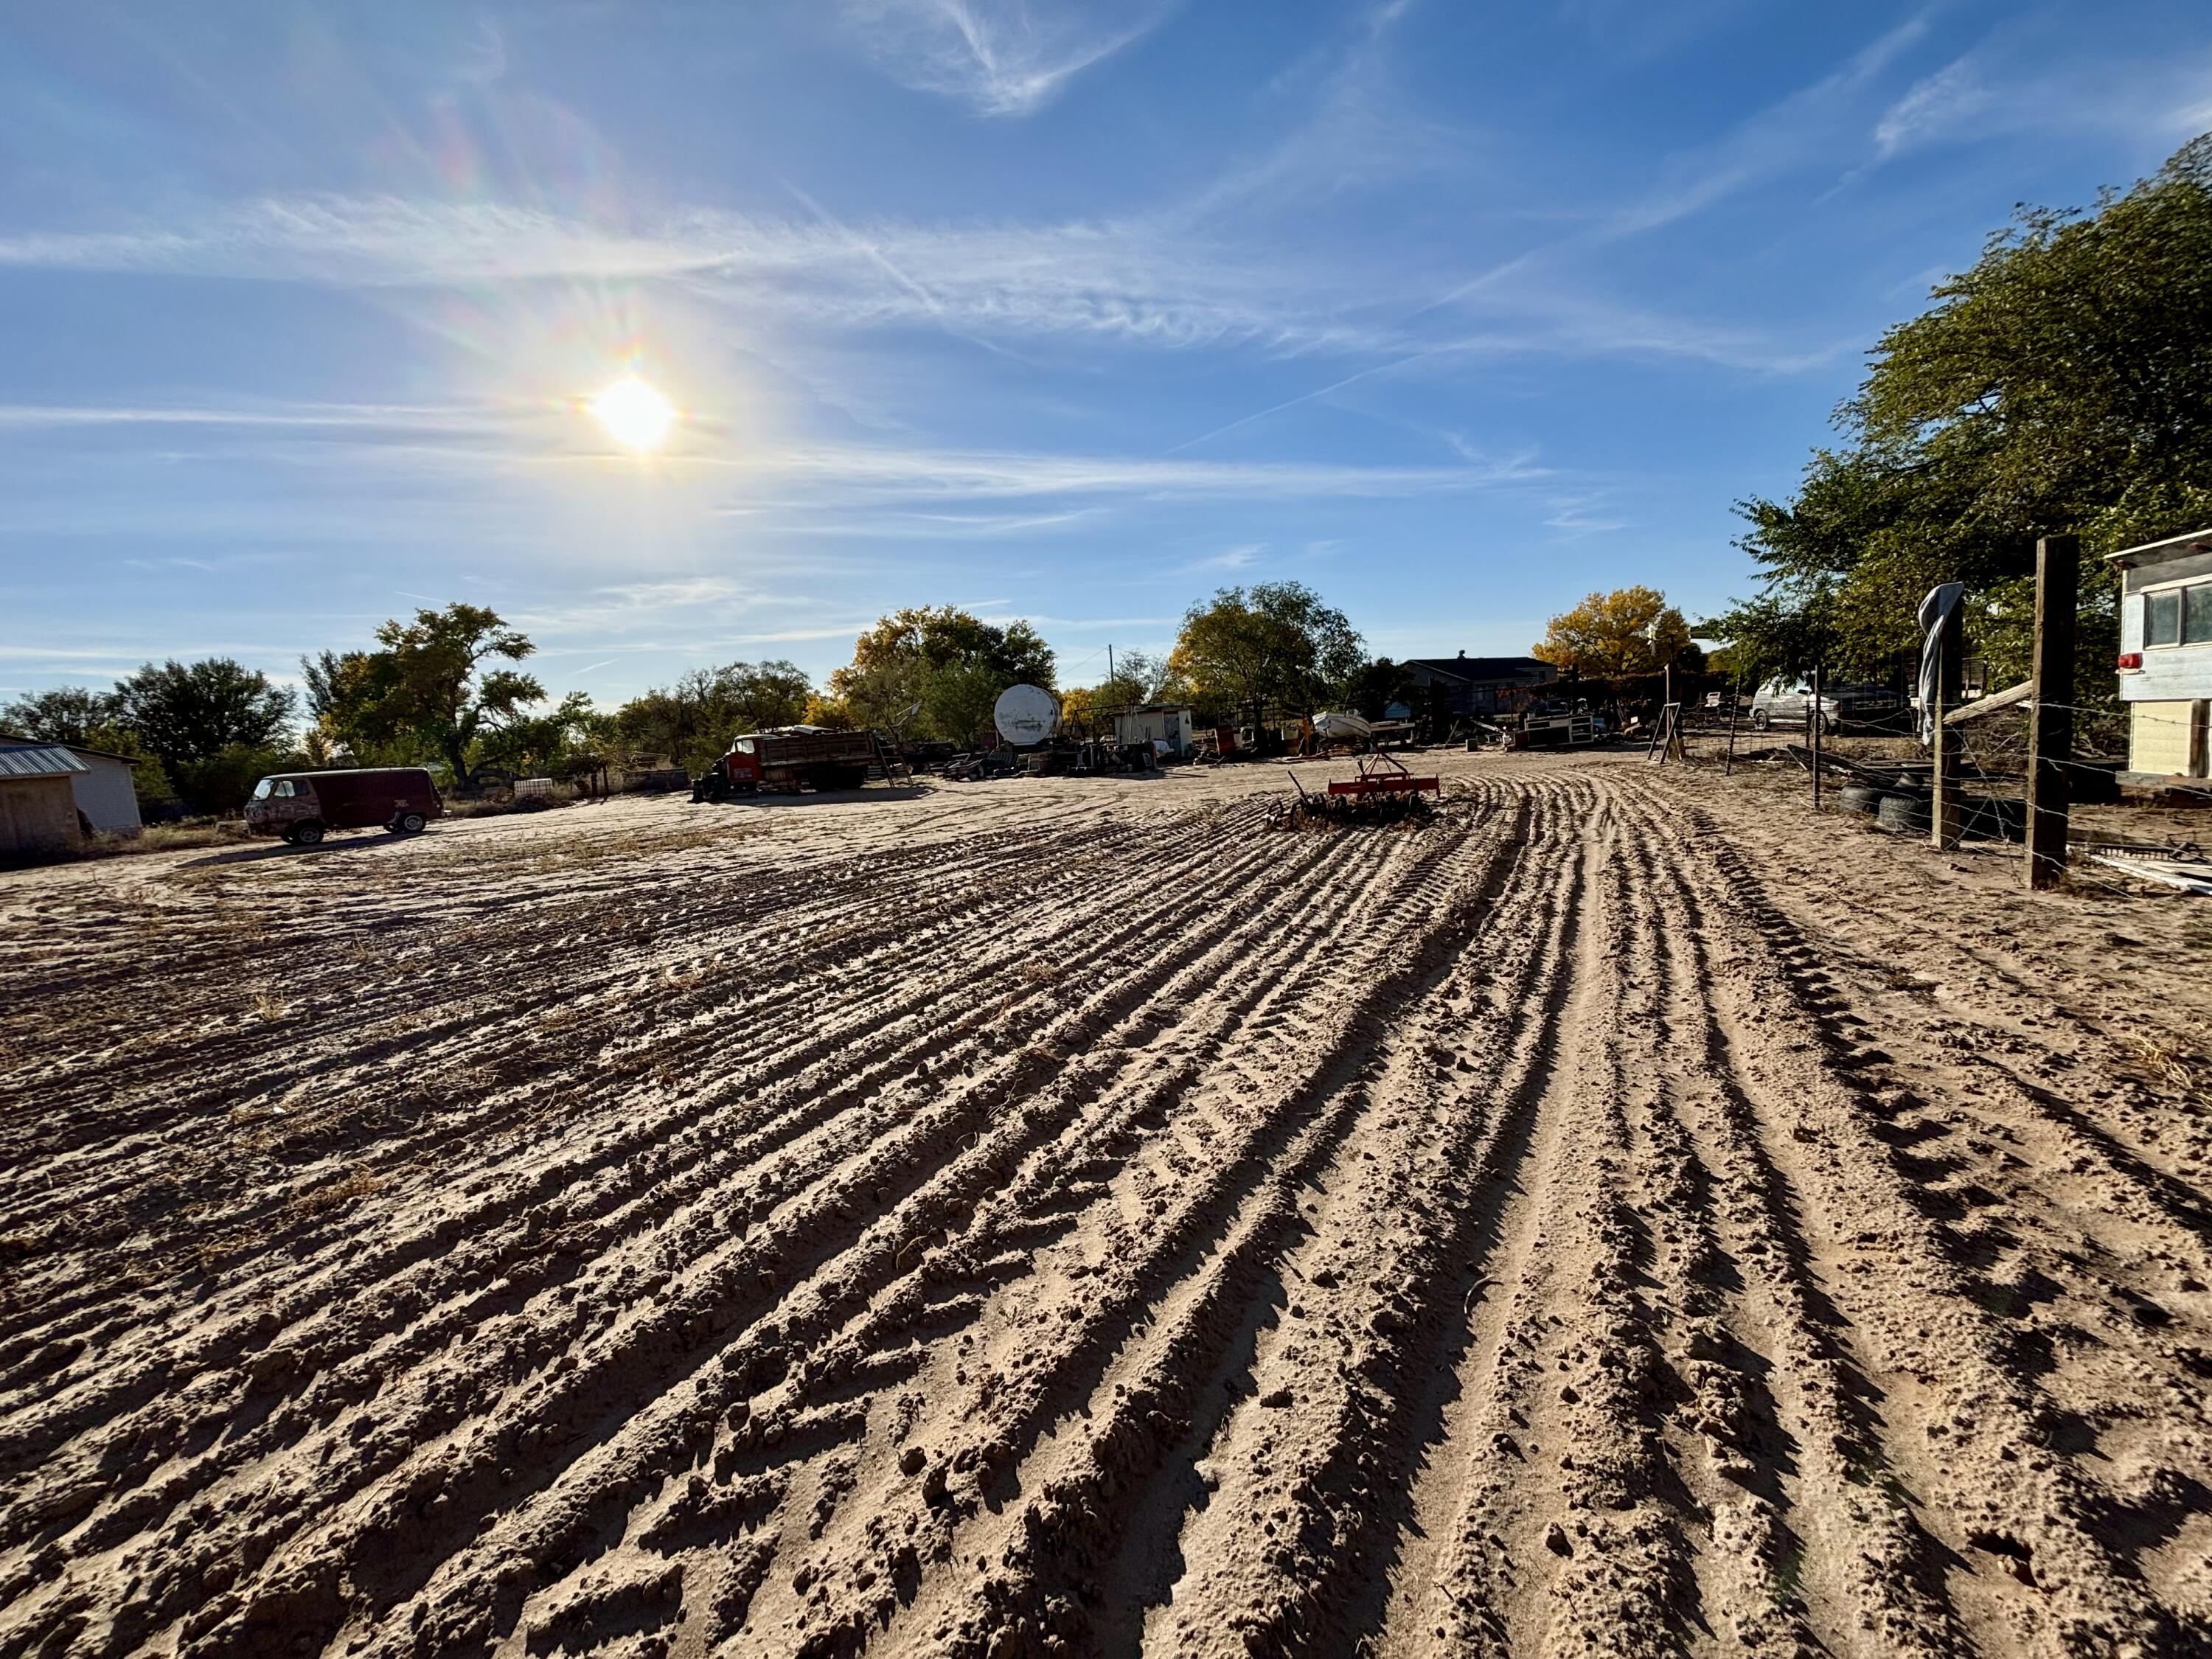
(741, 766)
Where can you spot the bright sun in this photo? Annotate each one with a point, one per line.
(635, 415)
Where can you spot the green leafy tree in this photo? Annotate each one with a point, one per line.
(67, 714)
(957, 697)
(188, 714)
(1376, 685)
(694, 719)
(221, 782)
(345, 691)
(2062, 383)
(545, 744)
(936, 664)
(432, 685)
(1275, 642)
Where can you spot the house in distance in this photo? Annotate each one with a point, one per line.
(1481, 688)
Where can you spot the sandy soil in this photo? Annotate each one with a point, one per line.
(1626, 1215)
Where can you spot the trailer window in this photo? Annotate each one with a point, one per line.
(2162, 618)
(2197, 614)
(2178, 616)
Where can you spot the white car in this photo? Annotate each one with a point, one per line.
(1787, 703)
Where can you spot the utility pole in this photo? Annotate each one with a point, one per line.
(2051, 716)
(1109, 662)
(1735, 696)
(1943, 814)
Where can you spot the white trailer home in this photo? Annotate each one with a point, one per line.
(1159, 724)
(2165, 659)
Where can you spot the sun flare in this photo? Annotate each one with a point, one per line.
(635, 415)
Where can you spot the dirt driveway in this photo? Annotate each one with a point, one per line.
(1625, 1215)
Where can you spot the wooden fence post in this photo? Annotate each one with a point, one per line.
(2051, 716)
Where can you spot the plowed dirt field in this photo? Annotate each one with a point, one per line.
(1623, 1215)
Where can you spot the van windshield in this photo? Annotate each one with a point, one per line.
(261, 790)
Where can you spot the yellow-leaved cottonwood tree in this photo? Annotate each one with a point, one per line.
(1631, 630)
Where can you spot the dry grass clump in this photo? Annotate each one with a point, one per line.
(168, 838)
(335, 1194)
(2166, 1061)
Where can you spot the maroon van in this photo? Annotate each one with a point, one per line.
(301, 806)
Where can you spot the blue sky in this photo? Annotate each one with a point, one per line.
(1071, 312)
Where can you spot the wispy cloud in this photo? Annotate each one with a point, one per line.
(853, 471)
(1799, 128)
(2006, 86)
(1001, 57)
(1577, 516)
(1360, 130)
(931, 488)
(343, 416)
(1138, 281)
(1936, 106)
(1241, 557)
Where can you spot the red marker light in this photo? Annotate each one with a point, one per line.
(2132, 659)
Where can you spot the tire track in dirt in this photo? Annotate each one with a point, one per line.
(555, 1336)
(1037, 1559)
(830, 1040)
(1495, 1237)
(1550, 1502)
(812, 1320)
(1962, 1443)
(1797, 1544)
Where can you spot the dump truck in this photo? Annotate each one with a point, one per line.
(787, 757)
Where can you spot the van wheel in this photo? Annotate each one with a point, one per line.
(412, 824)
(1760, 720)
(309, 834)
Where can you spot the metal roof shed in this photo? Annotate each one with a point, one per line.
(2165, 657)
(106, 791)
(38, 814)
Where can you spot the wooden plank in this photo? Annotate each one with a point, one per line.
(2190, 877)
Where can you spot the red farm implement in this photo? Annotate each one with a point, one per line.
(1382, 791)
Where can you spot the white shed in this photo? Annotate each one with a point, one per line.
(2165, 656)
(106, 789)
(1168, 723)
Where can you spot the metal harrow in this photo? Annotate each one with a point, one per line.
(1385, 792)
